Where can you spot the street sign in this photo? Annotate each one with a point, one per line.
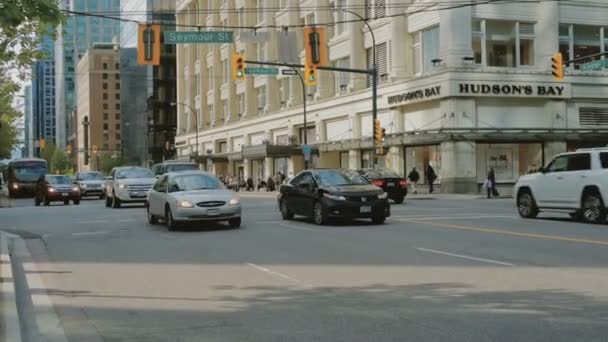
(595, 65)
(198, 37)
(261, 71)
(306, 150)
(289, 72)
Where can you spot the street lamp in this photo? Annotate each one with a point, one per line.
(174, 104)
(374, 78)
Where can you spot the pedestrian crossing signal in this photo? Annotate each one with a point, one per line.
(557, 66)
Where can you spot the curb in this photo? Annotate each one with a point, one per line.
(9, 323)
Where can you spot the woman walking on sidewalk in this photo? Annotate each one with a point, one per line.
(490, 184)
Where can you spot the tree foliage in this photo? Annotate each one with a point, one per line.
(108, 162)
(60, 162)
(8, 116)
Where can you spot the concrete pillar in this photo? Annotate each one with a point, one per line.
(455, 36)
(547, 27)
(458, 167)
(400, 43)
(357, 52)
(268, 167)
(354, 159)
(394, 159)
(247, 168)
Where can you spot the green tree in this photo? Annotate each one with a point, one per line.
(60, 161)
(22, 24)
(108, 162)
(8, 116)
(47, 153)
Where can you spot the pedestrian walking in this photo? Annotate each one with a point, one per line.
(431, 176)
(413, 177)
(491, 184)
(250, 186)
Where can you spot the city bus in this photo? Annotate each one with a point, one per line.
(21, 175)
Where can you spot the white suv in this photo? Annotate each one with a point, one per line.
(574, 182)
(128, 184)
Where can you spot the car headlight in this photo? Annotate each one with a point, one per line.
(75, 188)
(185, 204)
(383, 195)
(51, 190)
(15, 186)
(234, 201)
(334, 197)
(122, 186)
(84, 186)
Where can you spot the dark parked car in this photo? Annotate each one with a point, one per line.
(173, 166)
(324, 194)
(393, 184)
(90, 183)
(56, 188)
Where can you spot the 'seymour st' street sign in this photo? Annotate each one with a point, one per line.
(198, 37)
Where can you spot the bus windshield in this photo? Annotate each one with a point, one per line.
(28, 171)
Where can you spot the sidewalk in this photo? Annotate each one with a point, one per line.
(5, 202)
(10, 329)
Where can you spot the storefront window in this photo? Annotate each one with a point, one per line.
(280, 165)
(500, 43)
(421, 157)
(366, 160)
(344, 160)
(509, 161)
(477, 41)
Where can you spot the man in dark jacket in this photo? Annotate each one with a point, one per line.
(430, 177)
(414, 177)
(492, 183)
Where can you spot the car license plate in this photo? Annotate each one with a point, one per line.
(212, 212)
(390, 184)
(136, 194)
(65, 194)
(366, 210)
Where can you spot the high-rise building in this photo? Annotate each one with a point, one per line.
(98, 115)
(74, 38)
(28, 142)
(461, 88)
(147, 91)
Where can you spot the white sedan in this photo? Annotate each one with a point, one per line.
(192, 196)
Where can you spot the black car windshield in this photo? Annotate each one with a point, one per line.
(333, 177)
(136, 172)
(89, 176)
(181, 167)
(381, 173)
(58, 179)
(194, 182)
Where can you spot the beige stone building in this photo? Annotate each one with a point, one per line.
(98, 103)
(462, 88)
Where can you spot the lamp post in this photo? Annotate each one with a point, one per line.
(173, 104)
(374, 79)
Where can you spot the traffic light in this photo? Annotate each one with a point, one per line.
(557, 66)
(41, 143)
(310, 75)
(68, 149)
(148, 44)
(94, 149)
(378, 132)
(238, 66)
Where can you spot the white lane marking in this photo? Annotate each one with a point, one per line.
(275, 273)
(428, 218)
(269, 222)
(91, 233)
(465, 256)
(92, 221)
(127, 220)
(299, 227)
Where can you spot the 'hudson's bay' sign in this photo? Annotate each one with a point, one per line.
(480, 89)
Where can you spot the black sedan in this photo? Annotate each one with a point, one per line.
(393, 184)
(325, 194)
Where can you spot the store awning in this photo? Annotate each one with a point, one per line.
(226, 156)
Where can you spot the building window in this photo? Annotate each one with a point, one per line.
(342, 78)
(309, 19)
(117, 76)
(104, 76)
(116, 66)
(105, 116)
(242, 104)
(117, 96)
(211, 111)
(117, 86)
(261, 99)
(339, 17)
(260, 50)
(117, 137)
(375, 9)
(117, 106)
(499, 43)
(105, 106)
(211, 79)
(105, 86)
(260, 13)
(105, 126)
(241, 17)
(105, 66)
(425, 49)
(382, 62)
(117, 126)
(285, 91)
(106, 147)
(105, 96)
(117, 116)
(577, 41)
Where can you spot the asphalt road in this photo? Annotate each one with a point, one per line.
(438, 270)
